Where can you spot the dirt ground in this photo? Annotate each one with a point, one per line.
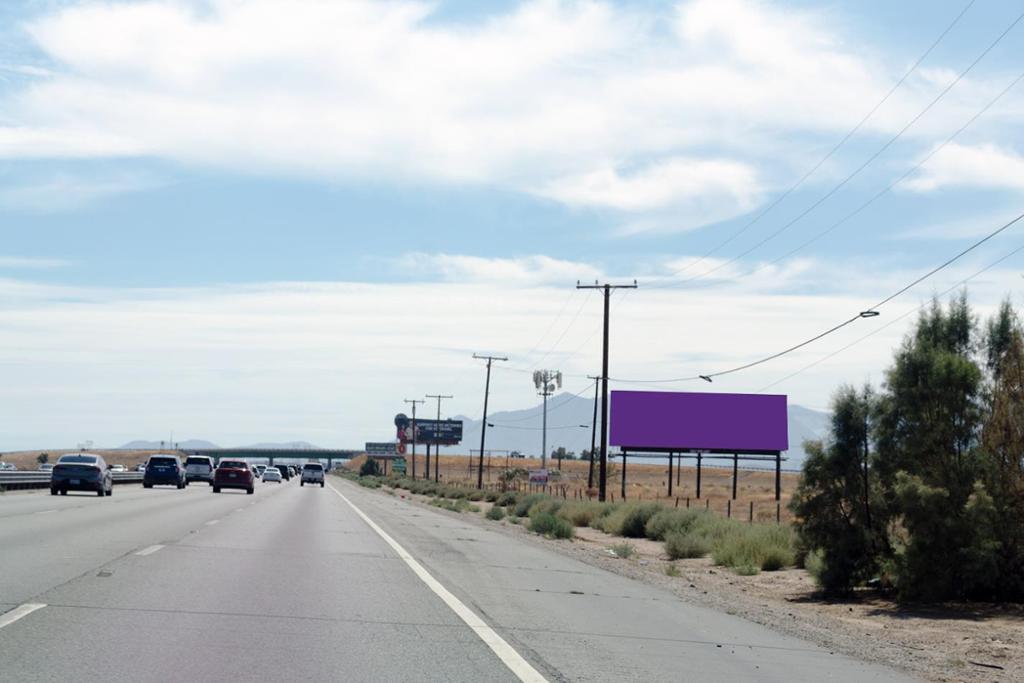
(26, 460)
(755, 489)
(975, 643)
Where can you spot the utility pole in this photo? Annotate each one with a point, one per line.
(483, 424)
(437, 445)
(545, 381)
(414, 401)
(593, 433)
(604, 383)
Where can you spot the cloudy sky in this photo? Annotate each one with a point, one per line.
(253, 220)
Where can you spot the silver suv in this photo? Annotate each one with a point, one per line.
(199, 468)
(313, 473)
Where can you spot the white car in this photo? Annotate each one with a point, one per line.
(118, 468)
(46, 467)
(272, 474)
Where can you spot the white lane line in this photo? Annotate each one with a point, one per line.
(150, 550)
(212, 522)
(45, 512)
(18, 612)
(505, 652)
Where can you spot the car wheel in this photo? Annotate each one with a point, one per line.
(101, 492)
(53, 492)
(147, 486)
(302, 483)
(63, 492)
(321, 484)
(211, 483)
(250, 491)
(216, 489)
(110, 491)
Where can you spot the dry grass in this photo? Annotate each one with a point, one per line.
(643, 482)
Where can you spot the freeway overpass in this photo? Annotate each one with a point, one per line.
(270, 454)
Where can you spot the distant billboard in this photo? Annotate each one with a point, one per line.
(437, 432)
(381, 448)
(682, 421)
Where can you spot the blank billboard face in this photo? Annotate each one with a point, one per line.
(698, 421)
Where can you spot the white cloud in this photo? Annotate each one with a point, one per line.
(690, 185)
(20, 262)
(331, 362)
(956, 165)
(536, 269)
(552, 97)
(67, 191)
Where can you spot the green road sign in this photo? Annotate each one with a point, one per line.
(398, 466)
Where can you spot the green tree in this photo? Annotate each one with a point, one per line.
(370, 468)
(836, 502)
(43, 458)
(1003, 449)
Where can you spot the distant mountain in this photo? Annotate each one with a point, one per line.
(520, 430)
(152, 445)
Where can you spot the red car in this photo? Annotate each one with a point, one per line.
(233, 474)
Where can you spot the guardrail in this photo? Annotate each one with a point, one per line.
(41, 480)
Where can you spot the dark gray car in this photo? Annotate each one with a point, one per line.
(81, 472)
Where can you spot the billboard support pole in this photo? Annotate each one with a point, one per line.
(670, 474)
(623, 483)
(483, 424)
(607, 288)
(735, 472)
(700, 457)
(778, 476)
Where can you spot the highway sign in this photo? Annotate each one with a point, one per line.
(380, 448)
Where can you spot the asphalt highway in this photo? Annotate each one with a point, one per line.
(342, 584)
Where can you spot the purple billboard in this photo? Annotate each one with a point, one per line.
(728, 423)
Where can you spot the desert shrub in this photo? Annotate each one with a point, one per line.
(630, 519)
(580, 513)
(370, 468)
(548, 505)
(496, 512)
(624, 550)
(507, 499)
(671, 570)
(746, 570)
(491, 496)
(764, 546)
(475, 495)
(551, 526)
(814, 562)
(667, 520)
(524, 503)
(460, 505)
(680, 545)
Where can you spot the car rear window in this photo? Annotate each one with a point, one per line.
(78, 459)
(162, 462)
(313, 466)
(197, 461)
(234, 464)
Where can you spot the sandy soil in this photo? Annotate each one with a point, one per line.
(950, 642)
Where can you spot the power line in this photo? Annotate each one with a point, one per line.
(892, 322)
(870, 312)
(836, 147)
(888, 188)
(859, 169)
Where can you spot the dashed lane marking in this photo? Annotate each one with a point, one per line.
(18, 612)
(150, 550)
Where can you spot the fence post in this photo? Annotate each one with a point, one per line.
(751, 520)
(677, 501)
(707, 504)
(728, 508)
(778, 513)
(687, 502)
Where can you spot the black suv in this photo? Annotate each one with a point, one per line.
(164, 469)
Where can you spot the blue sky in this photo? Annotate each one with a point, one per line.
(249, 221)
